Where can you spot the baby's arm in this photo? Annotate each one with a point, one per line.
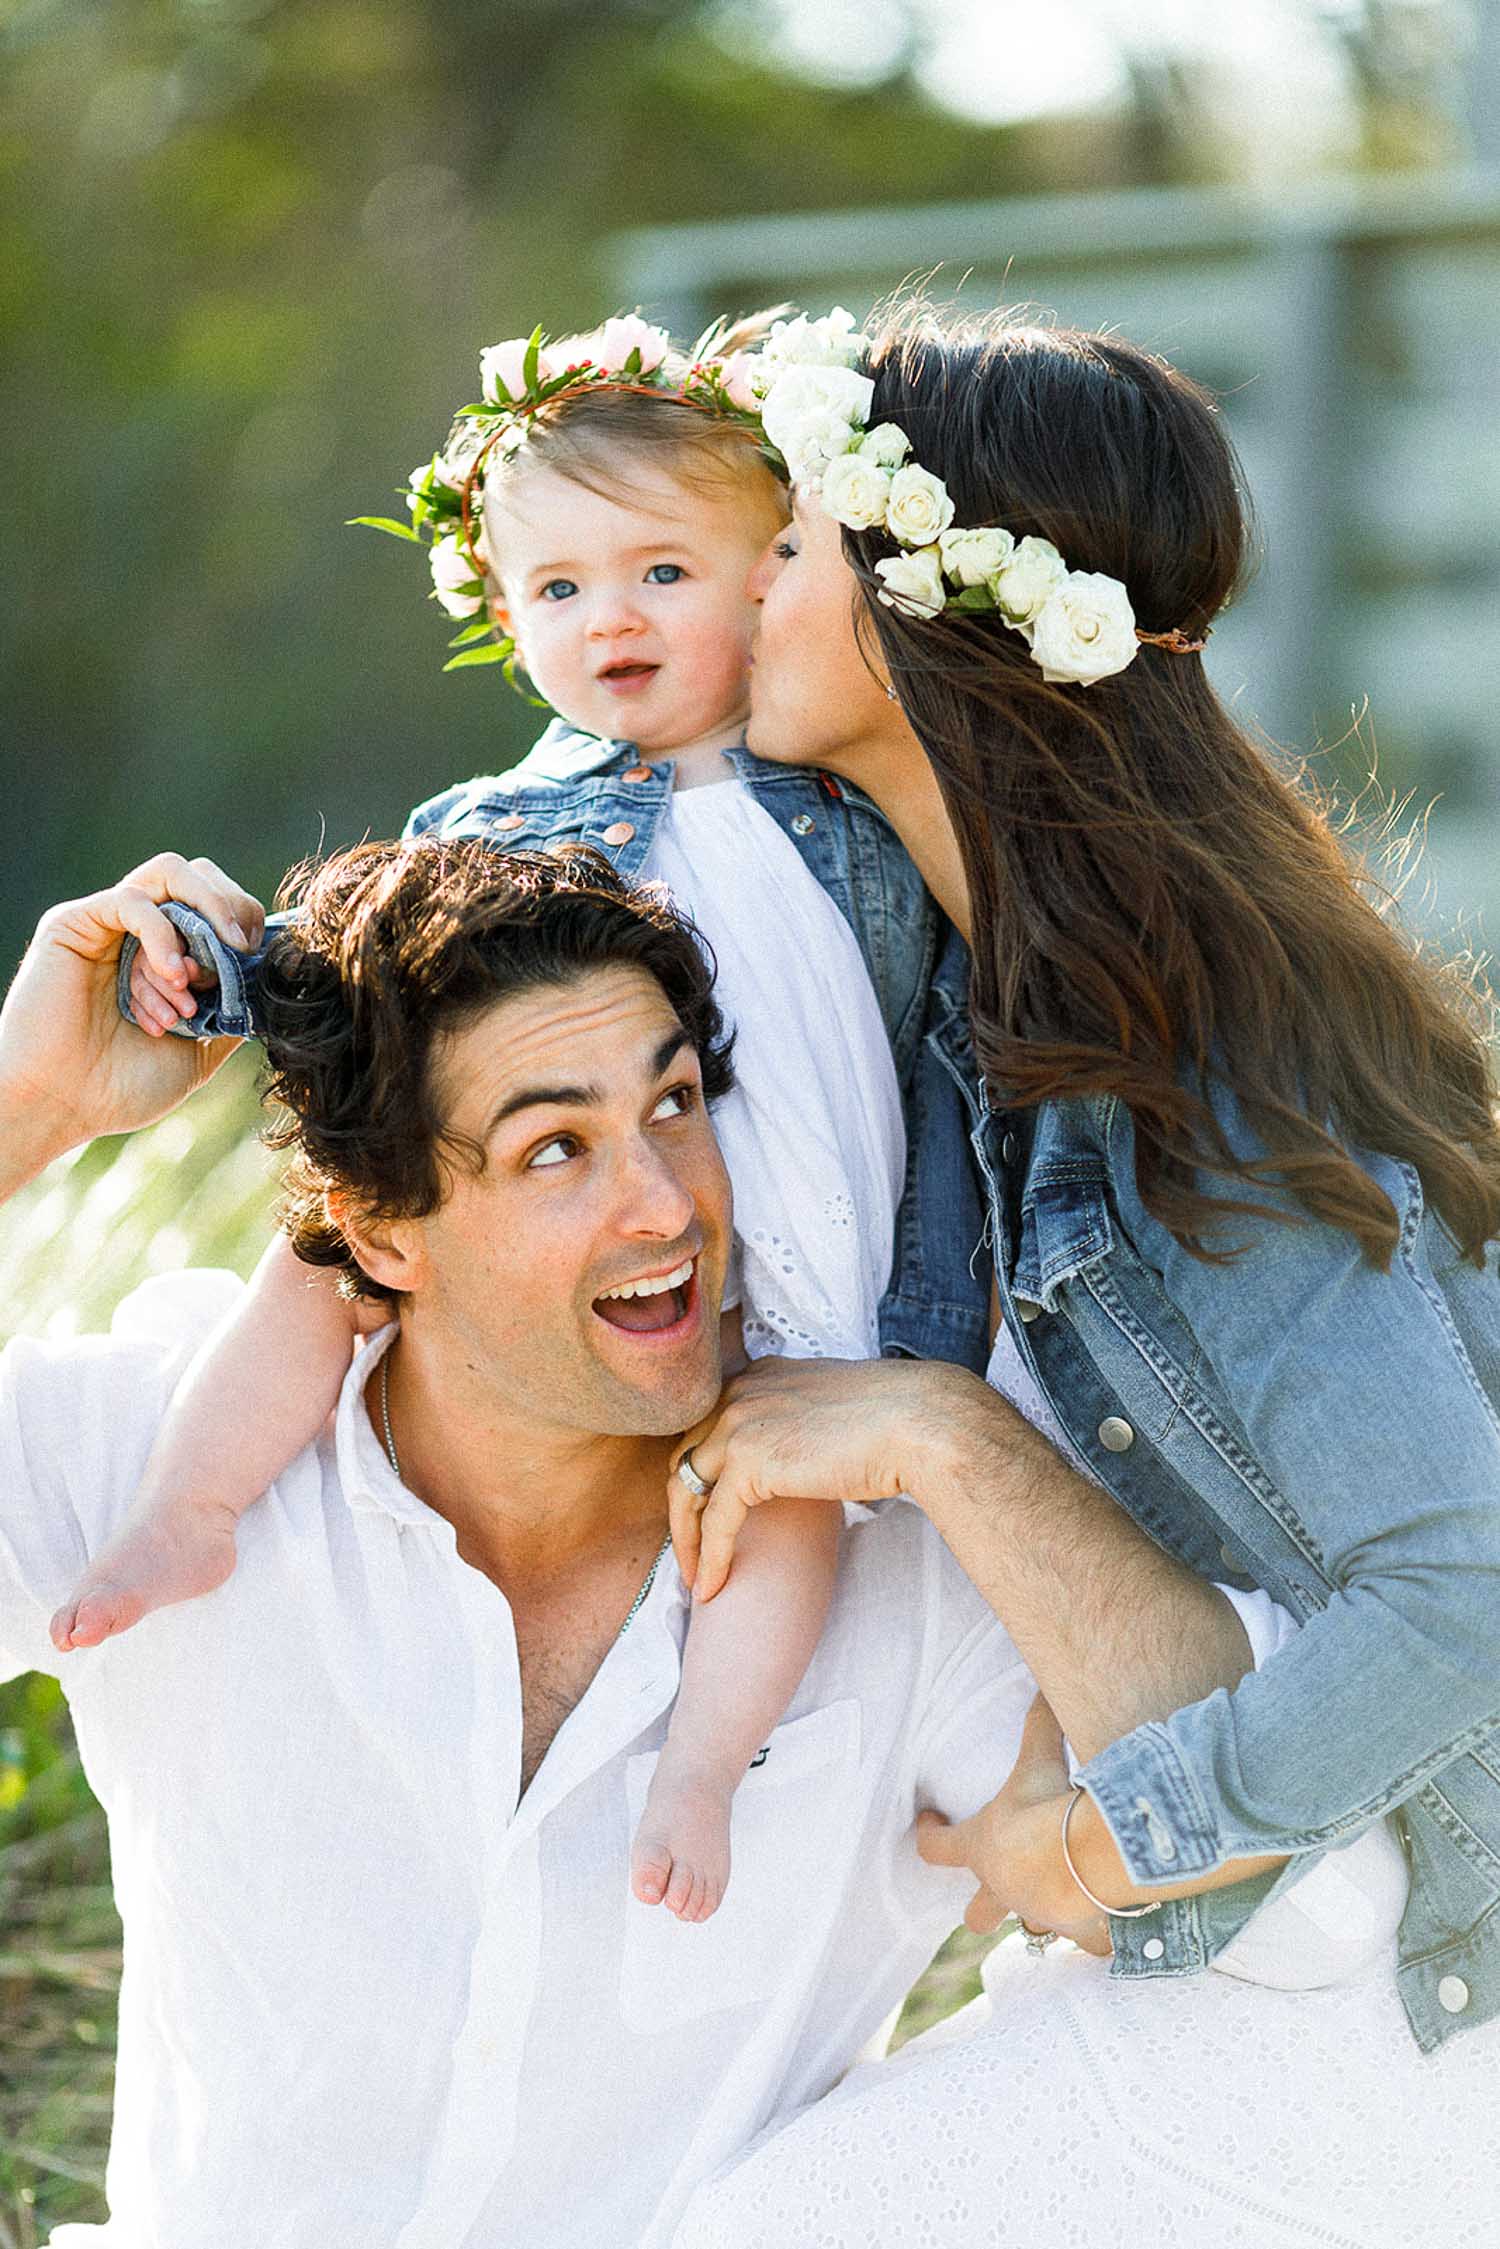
(259, 1390)
(745, 1655)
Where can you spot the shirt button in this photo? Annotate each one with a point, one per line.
(1116, 1435)
(638, 773)
(1453, 1995)
(511, 821)
(1026, 1311)
(1153, 1948)
(804, 824)
(1008, 1148)
(619, 831)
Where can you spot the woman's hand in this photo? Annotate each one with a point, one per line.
(809, 1429)
(71, 1067)
(1014, 1845)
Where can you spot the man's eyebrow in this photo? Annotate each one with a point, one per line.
(585, 1096)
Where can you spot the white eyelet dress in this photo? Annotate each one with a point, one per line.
(812, 1133)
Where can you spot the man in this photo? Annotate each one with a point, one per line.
(370, 1803)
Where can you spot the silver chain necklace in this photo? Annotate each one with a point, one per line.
(391, 1455)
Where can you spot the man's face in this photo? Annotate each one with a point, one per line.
(601, 1172)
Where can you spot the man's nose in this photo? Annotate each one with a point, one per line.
(655, 1199)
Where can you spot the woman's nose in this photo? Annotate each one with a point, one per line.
(760, 575)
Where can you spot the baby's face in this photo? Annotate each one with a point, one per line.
(631, 614)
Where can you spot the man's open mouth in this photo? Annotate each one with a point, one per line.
(647, 1307)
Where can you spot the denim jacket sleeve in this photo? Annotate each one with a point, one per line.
(1344, 1403)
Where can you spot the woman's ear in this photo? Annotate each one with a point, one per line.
(390, 1250)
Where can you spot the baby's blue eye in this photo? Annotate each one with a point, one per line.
(558, 589)
(664, 573)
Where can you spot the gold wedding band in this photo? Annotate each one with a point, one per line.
(691, 1477)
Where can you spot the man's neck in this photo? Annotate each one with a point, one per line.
(529, 1501)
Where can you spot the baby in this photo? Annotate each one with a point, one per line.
(603, 517)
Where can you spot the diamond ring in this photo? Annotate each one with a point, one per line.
(1037, 1940)
(690, 1476)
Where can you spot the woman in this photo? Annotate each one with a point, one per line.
(1243, 1178)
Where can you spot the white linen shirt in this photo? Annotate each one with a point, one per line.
(369, 1998)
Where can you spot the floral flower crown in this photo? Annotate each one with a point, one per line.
(815, 410)
(517, 378)
(802, 398)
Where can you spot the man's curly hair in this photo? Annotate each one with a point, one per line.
(395, 945)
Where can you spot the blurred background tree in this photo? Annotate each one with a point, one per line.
(252, 250)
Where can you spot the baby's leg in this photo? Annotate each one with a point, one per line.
(746, 1652)
(259, 1391)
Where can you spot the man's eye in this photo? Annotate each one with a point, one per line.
(558, 589)
(665, 573)
(676, 1103)
(553, 1152)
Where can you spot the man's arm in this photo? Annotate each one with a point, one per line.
(1114, 1631)
(71, 1068)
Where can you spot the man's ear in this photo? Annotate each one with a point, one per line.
(390, 1250)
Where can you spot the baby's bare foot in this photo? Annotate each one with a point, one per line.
(173, 1553)
(680, 1858)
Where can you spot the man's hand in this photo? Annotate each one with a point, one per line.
(71, 1067)
(808, 1429)
(1013, 1846)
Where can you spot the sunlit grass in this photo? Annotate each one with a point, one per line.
(195, 1190)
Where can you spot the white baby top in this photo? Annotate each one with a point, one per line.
(812, 1132)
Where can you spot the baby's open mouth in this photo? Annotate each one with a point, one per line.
(644, 1307)
(628, 675)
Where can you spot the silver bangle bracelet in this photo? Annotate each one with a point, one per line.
(1115, 1912)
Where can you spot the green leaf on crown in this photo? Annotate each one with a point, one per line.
(384, 523)
(972, 597)
(479, 630)
(531, 366)
(492, 653)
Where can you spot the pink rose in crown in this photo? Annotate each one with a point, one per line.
(618, 338)
(734, 374)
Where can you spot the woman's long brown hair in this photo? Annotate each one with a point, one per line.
(1154, 904)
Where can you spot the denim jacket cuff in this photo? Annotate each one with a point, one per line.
(1153, 1808)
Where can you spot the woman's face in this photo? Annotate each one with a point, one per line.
(815, 697)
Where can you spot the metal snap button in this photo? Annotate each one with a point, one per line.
(1115, 1434)
(637, 773)
(619, 831)
(1152, 1949)
(1026, 1311)
(803, 824)
(511, 820)
(1453, 1995)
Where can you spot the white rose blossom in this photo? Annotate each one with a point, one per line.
(814, 404)
(1026, 579)
(1085, 631)
(503, 366)
(453, 578)
(832, 341)
(855, 491)
(913, 582)
(885, 444)
(972, 558)
(919, 509)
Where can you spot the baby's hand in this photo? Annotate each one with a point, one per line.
(160, 997)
